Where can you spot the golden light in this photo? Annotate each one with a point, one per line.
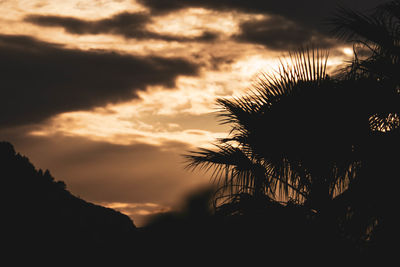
(348, 51)
(194, 21)
(228, 68)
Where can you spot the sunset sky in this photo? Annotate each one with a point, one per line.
(108, 94)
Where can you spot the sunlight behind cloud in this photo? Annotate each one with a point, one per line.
(136, 120)
(348, 51)
(76, 8)
(250, 66)
(194, 21)
(114, 129)
(14, 12)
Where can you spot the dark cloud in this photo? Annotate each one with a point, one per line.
(128, 25)
(301, 22)
(40, 79)
(278, 33)
(308, 18)
(308, 12)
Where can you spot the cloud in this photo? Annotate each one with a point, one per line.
(128, 25)
(308, 18)
(278, 33)
(300, 11)
(41, 79)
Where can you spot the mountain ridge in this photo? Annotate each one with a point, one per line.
(39, 213)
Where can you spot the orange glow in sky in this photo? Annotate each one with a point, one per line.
(163, 116)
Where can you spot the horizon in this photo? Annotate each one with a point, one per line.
(108, 95)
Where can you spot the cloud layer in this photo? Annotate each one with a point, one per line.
(305, 12)
(128, 25)
(41, 79)
(301, 19)
(278, 33)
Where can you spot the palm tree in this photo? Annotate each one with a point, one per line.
(371, 199)
(326, 143)
(376, 39)
(293, 138)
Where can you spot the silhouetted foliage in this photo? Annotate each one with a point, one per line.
(376, 40)
(42, 219)
(371, 199)
(319, 146)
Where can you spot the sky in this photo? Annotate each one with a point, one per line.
(109, 94)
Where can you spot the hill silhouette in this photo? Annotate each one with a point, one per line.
(41, 217)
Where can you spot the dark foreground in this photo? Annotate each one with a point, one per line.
(43, 223)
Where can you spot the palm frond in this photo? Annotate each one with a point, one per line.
(230, 166)
(353, 26)
(272, 147)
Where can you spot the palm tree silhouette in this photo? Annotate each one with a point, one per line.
(310, 141)
(292, 137)
(325, 143)
(376, 39)
(371, 197)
